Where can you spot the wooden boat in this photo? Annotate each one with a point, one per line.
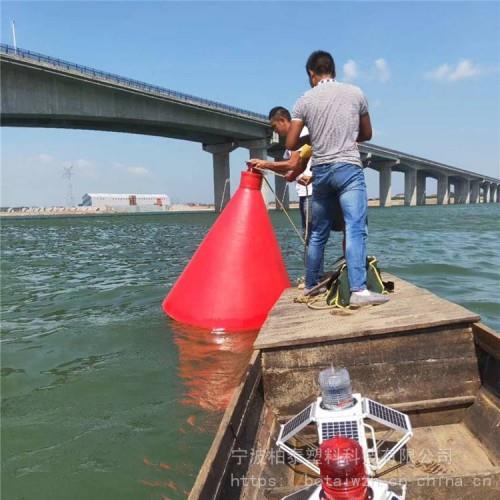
(419, 354)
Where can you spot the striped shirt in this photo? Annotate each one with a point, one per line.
(331, 112)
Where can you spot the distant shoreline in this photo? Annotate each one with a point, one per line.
(58, 212)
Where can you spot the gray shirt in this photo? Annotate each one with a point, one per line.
(331, 112)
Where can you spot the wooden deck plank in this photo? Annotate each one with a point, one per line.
(443, 450)
(454, 342)
(410, 308)
(288, 391)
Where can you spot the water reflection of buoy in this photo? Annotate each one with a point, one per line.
(211, 364)
(237, 273)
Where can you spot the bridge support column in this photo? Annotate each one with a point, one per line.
(486, 191)
(464, 191)
(385, 184)
(411, 187)
(443, 192)
(258, 149)
(261, 153)
(222, 185)
(421, 188)
(493, 193)
(498, 194)
(474, 191)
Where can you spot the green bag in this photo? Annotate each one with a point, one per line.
(338, 290)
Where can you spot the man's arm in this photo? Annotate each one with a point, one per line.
(293, 136)
(293, 163)
(365, 128)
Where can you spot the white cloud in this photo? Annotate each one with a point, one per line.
(464, 69)
(141, 171)
(382, 70)
(351, 71)
(83, 164)
(379, 71)
(45, 158)
(446, 73)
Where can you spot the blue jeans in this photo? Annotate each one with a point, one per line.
(346, 181)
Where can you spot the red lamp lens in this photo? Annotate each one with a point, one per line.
(342, 469)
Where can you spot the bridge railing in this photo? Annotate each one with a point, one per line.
(136, 84)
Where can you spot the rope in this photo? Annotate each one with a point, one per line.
(226, 182)
(283, 197)
(306, 235)
(303, 239)
(284, 211)
(280, 202)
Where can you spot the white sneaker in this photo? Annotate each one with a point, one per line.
(367, 298)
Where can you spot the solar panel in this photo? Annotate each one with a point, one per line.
(384, 414)
(299, 421)
(346, 429)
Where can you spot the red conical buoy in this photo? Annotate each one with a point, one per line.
(237, 273)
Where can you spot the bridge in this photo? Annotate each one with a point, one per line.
(42, 91)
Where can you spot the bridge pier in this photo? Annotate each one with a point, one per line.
(258, 149)
(443, 190)
(421, 177)
(222, 184)
(410, 186)
(493, 193)
(261, 153)
(281, 186)
(385, 185)
(486, 192)
(474, 191)
(464, 191)
(451, 183)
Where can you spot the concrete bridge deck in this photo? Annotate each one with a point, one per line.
(42, 91)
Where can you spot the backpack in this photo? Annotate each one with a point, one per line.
(338, 292)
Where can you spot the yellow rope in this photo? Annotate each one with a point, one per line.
(284, 210)
(223, 193)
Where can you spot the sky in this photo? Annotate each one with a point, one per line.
(430, 71)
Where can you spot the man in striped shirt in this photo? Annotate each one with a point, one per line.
(336, 115)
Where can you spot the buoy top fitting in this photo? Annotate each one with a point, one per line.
(251, 180)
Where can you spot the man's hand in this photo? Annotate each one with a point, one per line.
(305, 180)
(257, 163)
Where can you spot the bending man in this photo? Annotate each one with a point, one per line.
(295, 164)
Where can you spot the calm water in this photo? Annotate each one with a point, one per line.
(103, 397)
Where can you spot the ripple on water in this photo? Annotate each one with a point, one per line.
(94, 377)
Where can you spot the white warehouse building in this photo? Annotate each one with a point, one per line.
(127, 202)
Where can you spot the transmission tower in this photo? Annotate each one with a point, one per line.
(68, 175)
